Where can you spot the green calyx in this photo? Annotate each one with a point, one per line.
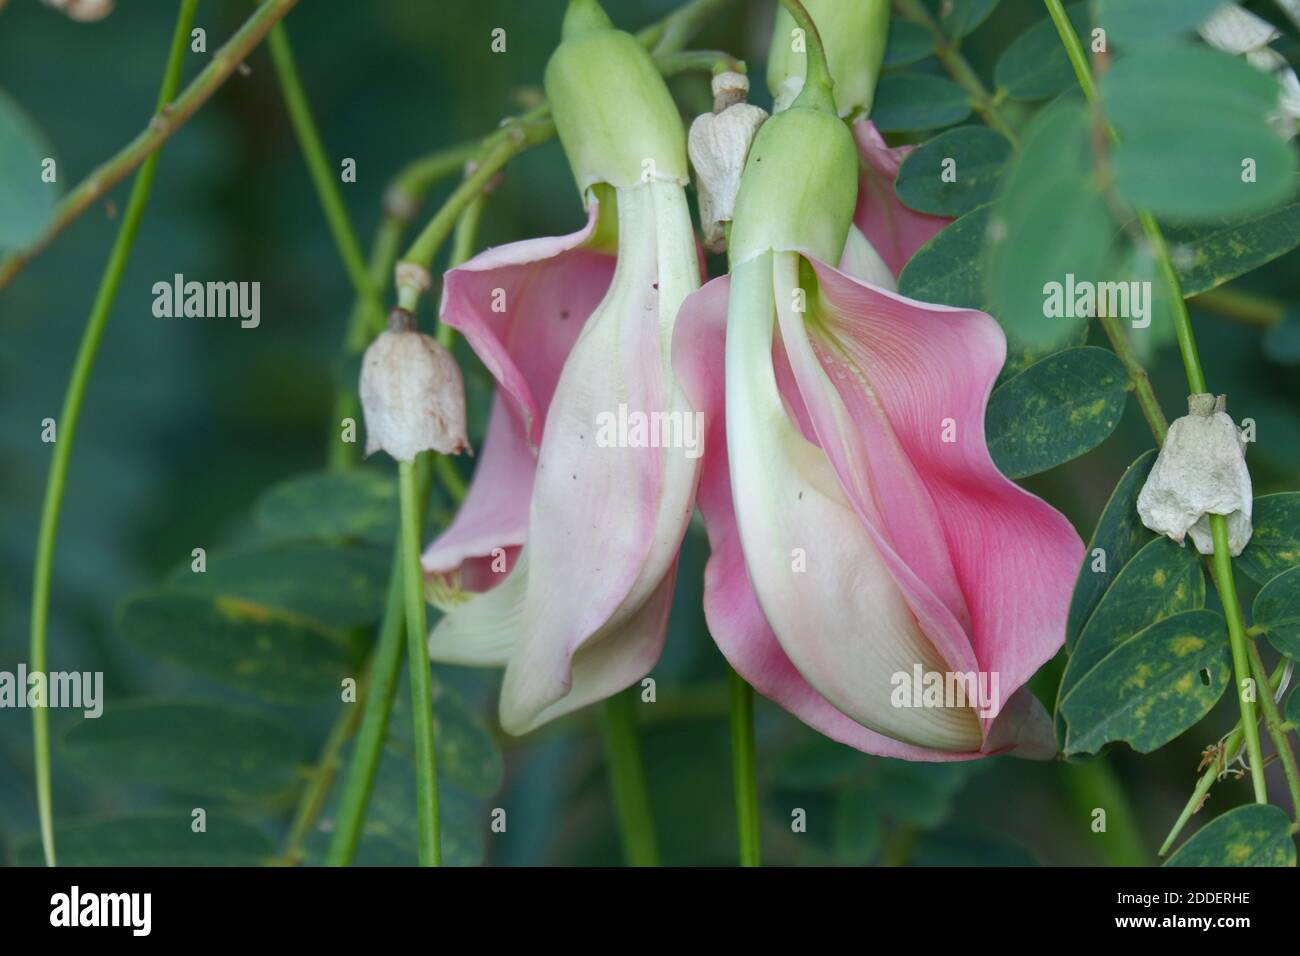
(613, 113)
(799, 188)
(853, 33)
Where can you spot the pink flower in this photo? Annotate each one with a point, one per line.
(860, 532)
(573, 539)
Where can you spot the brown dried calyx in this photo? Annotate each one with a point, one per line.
(412, 393)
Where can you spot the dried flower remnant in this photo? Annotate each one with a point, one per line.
(412, 393)
(83, 11)
(1201, 470)
(719, 145)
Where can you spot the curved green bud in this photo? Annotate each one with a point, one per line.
(614, 114)
(799, 188)
(854, 33)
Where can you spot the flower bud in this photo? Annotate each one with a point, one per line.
(614, 115)
(1201, 470)
(854, 32)
(718, 144)
(411, 393)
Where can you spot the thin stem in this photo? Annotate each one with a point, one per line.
(323, 175)
(1248, 307)
(166, 122)
(426, 780)
(701, 61)
(1273, 723)
(674, 31)
(377, 706)
(74, 398)
(817, 72)
(1221, 562)
(1138, 378)
(627, 779)
(744, 769)
(959, 68)
(1226, 752)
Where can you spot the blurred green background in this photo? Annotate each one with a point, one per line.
(188, 422)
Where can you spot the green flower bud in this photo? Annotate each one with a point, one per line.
(854, 32)
(799, 188)
(613, 112)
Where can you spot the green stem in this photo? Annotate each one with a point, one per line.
(74, 398)
(1273, 723)
(817, 72)
(323, 175)
(377, 707)
(1249, 307)
(959, 68)
(674, 31)
(1221, 562)
(1227, 752)
(160, 129)
(426, 781)
(744, 769)
(627, 779)
(698, 61)
(1138, 378)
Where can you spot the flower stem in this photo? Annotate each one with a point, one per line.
(1221, 562)
(627, 779)
(426, 781)
(74, 398)
(160, 129)
(377, 706)
(958, 67)
(1273, 723)
(674, 31)
(1138, 378)
(744, 769)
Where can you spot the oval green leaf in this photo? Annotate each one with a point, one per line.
(258, 650)
(1208, 255)
(205, 749)
(1275, 544)
(337, 587)
(1256, 834)
(918, 101)
(958, 18)
(907, 43)
(955, 172)
(1277, 610)
(1119, 535)
(947, 269)
(351, 504)
(26, 201)
(1141, 22)
(1152, 687)
(1055, 410)
(1195, 141)
(1161, 580)
(1034, 66)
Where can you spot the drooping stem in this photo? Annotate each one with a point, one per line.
(674, 31)
(744, 769)
(74, 398)
(959, 68)
(1273, 723)
(323, 177)
(1221, 562)
(627, 779)
(426, 781)
(160, 129)
(1138, 378)
(818, 71)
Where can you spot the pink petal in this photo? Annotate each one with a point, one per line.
(895, 231)
(907, 373)
(521, 307)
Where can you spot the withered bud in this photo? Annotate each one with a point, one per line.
(83, 11)
(718, 145)
(412, 393)
(1201, 470)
